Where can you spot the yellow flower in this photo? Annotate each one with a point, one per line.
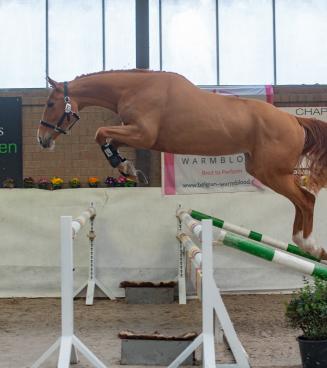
(56, 181)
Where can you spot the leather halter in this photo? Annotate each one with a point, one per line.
(66, 114)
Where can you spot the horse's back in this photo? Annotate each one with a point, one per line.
(194, 121)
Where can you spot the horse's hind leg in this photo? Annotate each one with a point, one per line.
(298, 226)
(286, 186)
(304, 204)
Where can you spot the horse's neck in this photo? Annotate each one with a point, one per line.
(103, 90)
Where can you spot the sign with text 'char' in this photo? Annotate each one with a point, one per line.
(11, 149)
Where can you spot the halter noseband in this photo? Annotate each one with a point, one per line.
(66, 114)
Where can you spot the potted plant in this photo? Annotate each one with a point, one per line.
(44, 183)
(110, 181)
(56, 183)
(307, 311)
(8, 183)
(29, 182)
(93, 182)
(120, 182)
(75, 183)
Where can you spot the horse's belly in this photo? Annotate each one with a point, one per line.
(199, 142)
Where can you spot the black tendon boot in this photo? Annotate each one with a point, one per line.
(112, 155)
(125, 167)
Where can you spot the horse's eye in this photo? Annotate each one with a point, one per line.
(50, 104)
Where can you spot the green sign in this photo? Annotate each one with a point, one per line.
(11, 150)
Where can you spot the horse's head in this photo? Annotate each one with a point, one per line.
(59, 115)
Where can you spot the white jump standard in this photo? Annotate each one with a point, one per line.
(211, 302)
(68, 343)
(192, 253)
(210, 293)
(92, 282)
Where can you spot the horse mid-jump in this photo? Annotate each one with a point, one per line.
(165, 112)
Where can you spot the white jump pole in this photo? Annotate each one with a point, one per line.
(68, 343)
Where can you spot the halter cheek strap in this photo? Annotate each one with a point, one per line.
(68, 112)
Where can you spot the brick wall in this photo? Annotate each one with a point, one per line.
(78, 154)
(300, 95)
(75, 155)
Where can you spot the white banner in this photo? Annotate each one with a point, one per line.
(187, 174)
(317, 112)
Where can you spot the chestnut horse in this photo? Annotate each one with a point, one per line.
(165, 112)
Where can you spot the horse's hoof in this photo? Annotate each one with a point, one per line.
(323, 256)
(130, 177)
(127, 169)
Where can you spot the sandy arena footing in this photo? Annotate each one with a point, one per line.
(29, 326)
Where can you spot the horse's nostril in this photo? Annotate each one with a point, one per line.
(41, 141)
(46, 144)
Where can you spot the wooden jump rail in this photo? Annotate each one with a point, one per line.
(68, 343)
(260, 250)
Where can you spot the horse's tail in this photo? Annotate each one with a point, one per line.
(315, 149)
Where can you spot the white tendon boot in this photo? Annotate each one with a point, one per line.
(298, 238)
(128, 169)
(310, 246)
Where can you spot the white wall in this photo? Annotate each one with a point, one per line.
(135, 230)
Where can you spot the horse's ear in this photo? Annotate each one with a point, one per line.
(52, 82)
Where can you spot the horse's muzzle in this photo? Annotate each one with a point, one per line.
(46, 142)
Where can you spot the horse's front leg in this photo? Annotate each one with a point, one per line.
(116, 160)
(111, 138)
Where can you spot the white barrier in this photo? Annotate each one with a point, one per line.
(211, 302)
(68, 343)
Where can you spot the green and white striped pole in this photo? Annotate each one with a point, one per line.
(290, 248)
(274, 255)
(258, 249)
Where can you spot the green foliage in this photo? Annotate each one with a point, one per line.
(29, 182)
(8, 183)
(75, 183)
(307, 310)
